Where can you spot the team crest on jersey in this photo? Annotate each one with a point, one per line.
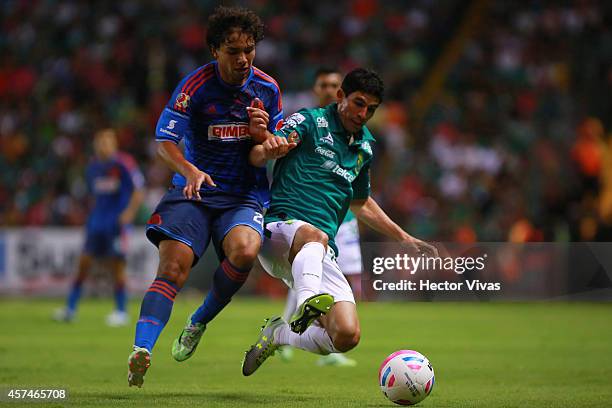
(294, 120)
(366, 146)
(322, 122)
(182, 101)
(359, 162)
(294, 137)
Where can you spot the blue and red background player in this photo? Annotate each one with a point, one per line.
(220, 111)
(116, 184)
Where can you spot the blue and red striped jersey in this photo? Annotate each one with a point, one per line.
(211, 117)
(112, 183)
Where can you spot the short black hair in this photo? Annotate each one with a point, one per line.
(225, 19)
(326, 70)
(363, 80)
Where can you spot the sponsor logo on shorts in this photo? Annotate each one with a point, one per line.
(229, 132)
(171, 124)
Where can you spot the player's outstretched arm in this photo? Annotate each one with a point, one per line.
(173, 157)
(369, 212)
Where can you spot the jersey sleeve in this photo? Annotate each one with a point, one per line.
(275, 110)
(361, 184)
(173, 123)
(301, 123)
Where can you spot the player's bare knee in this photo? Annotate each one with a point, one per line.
(346, 339)
(316, 235)
(243, 254)
(173, 271)
(306, 234)
(345, 333)
(243, 260)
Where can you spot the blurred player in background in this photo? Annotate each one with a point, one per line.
(116, 184)
(220, 110)
(325, 89)
(313, 187)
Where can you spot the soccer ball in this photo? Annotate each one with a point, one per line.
(406, 377)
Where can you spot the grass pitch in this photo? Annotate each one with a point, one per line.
(484, 355)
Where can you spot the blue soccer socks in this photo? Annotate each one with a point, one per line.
(155, 312)
(74, 296)
(120, 297)
(227, 280)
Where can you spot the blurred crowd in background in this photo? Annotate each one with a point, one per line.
(515, 145)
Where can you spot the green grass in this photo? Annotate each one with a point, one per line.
(484, 355)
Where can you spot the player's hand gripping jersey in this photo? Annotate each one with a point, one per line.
(211, 117)
(320, 177)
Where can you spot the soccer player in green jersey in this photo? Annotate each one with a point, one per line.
(327, 81)
(314, 185)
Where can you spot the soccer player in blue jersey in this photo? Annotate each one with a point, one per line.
(220, 110)
(116, 184)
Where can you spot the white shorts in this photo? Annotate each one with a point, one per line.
(274, 257)
(347, 240)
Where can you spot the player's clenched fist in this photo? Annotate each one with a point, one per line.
(258, 120)
(275, 147)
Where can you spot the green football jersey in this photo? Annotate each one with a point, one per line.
(316, 181)
(349, 216)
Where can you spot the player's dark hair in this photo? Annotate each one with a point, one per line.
(225, 19)
(326, 70)
(363, 80)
